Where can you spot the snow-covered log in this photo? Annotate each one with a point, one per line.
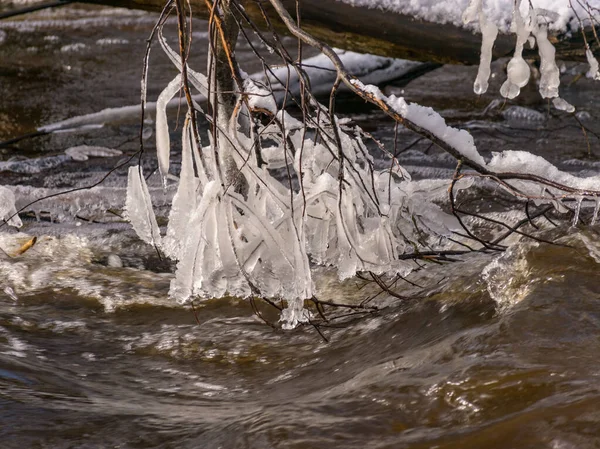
(426, 30)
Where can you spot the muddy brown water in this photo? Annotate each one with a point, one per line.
(503, 355)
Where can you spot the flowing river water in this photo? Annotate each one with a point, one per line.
(502, 352)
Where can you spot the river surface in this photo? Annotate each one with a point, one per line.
(500, 351)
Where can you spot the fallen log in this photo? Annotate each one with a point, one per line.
(385, 32)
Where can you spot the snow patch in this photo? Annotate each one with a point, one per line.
(498, 12)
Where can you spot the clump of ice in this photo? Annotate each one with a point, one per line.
(294, 314)
(235, 229)
(111, 41)
(114, 261)
(72, 48)
(508, 277)
(521, 113)
(84, 152)
(261, 241)
(563, 105)
(594, 71)
(8, 211)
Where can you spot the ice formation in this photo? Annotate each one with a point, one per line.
(244, 231)
(489, 32)
(138, 206)
(33, 165)
(563, 105)
(163, 146)
(427, 118)
(518, 71)
(8, 211)
(529, 25)
(333, 209)
(549, 73)
(84, 152)
(523, 114)
(594, 71)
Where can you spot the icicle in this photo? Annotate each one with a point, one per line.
(596, 209)
(163, 147)
(594, 71)
(194, 263)
(559, 206)
(138, 206)
(197, 80)
(518, 70)
(184, 200)
(294, 314)
(577, 211)
(489, 32)
(229, 278)
(550, 75)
